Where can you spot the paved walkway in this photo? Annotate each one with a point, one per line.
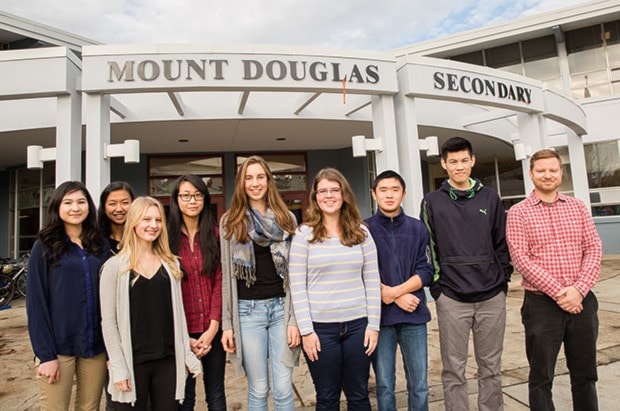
(514, 363)
(18, 390)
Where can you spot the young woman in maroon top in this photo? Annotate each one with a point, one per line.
(194, 238)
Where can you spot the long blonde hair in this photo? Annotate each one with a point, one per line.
(129, 243)
(350, 220)
(236, 225)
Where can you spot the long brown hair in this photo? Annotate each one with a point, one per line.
(236, 223)
(350, 218)
(135, 214)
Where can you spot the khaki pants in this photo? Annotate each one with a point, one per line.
(487, 321)
(89, 375)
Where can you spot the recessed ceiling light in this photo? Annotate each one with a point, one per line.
(183, 140)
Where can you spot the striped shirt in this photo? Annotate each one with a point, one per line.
(332, 283)
(554, 245)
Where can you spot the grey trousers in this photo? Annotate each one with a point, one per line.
(487, 321)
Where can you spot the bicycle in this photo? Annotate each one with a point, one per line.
(7, 289)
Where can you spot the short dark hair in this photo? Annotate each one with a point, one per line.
(544, 153)
(388, 174)
(454, 145)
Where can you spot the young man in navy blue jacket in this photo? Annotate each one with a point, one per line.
(467, 227)
(405, 268)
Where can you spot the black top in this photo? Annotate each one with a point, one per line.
(268, 283)
(114, 245)
(152, 325)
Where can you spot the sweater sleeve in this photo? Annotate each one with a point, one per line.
(499, 239)
(298, 269)
(109, 320)
(39, 319)
(426, 216)
(372, 282)
(227, 298)
(423, 266)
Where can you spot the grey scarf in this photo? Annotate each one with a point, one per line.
(265, 232)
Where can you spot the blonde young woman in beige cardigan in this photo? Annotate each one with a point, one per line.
(143, 321)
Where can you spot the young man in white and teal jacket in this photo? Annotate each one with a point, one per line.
(467, 227)
(405, 268)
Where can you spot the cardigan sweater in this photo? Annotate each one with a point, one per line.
(116, 324)
(230, 308)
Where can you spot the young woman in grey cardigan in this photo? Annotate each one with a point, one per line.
(259, 330)
(144, 329)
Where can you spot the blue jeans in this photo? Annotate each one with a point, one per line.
(263, 339)
(213, 368)
(342, 365)
(547, 326)
(413, 346)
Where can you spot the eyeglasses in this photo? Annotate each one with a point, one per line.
(331, 191)
(187, 197)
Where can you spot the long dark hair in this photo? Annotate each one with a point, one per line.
(102, 218)
(53, 234)
(209, 245)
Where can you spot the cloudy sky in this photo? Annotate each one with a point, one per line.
(353, 24)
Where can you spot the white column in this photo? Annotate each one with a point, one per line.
(68, 137)
(564, 69)
(409, 153)
(97, 134)
(384, 127)
(578, 167)
(532, 133)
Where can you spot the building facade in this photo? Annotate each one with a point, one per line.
(548, 81)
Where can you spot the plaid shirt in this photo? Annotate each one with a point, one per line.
(554, 245)
(202, 294)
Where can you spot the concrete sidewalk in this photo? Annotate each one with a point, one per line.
(19, 389)
(514, 363)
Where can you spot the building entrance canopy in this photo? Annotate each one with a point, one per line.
(317, 98)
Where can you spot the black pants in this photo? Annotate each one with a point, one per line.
(156, 379)
(547, 326)
(213, 368)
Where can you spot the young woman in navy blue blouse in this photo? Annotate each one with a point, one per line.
(64, 318)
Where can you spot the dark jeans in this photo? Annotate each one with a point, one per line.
(342, 365)
(155, 380)
(213, 367)
(547, 326)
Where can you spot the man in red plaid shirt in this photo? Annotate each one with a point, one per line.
(554, 245)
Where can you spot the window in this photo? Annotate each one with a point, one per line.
(30, 192)
(589, 49)
(290, 174)
(535, 58)
(603, 164)
(163, 171)
(541, 61)
(506, 57)
(471, 58)
(288, 169)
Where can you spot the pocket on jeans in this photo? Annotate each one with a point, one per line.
(245, 308)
